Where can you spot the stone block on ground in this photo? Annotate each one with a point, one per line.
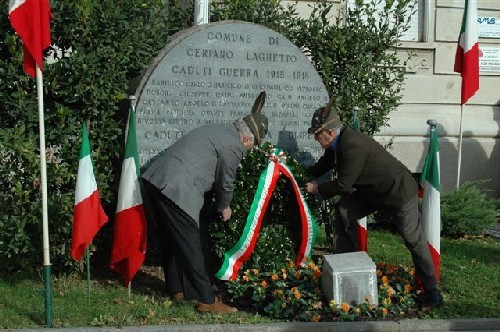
(349, 278)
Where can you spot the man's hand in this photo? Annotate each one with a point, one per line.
(311, 187)
(225, 214)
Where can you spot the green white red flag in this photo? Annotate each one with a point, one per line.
(431, 204)
(88, 214)
(31, 21)
(467, 54)
(129, 240)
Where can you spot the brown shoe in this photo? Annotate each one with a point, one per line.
(216, 307)
(179, 296)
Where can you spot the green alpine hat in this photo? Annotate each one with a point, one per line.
(256, 121)
(324, 118)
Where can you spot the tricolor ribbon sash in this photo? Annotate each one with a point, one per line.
(236, 256)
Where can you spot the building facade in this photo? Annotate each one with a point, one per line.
(432, 91)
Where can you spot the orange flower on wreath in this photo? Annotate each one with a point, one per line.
(345, 307)
(263, 283)
(245, 278)
(275, 277)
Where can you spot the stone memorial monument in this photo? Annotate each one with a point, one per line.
(212, 73)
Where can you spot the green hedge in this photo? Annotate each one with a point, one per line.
(104, 45)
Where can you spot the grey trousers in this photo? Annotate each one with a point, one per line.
(182, 254)
(351, 207)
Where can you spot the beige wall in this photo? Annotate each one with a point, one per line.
(433, 91)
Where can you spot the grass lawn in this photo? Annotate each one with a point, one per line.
(470, 282)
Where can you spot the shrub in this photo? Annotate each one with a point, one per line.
(467, 211)
(103, 45)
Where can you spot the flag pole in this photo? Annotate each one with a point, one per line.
(87, 257)
(201, 12)
(132, 100)
(460, 145)
(45, 227)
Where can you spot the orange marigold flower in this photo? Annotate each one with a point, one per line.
(311, 265)
(263, 283)
(385, 281)
(297, 295)
(315, 318)
(385, 311)
(391, 291)
(275, 277)
(317, 273)
(379, 273)
(245, 278)
(345, 307)
(407, 288)
(255, 271)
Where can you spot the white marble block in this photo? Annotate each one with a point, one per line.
(349, 278)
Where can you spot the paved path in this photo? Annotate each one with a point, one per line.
(407, 325)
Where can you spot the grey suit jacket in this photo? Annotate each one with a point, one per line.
(205, 158)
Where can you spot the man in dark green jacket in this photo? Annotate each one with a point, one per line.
(369, 179)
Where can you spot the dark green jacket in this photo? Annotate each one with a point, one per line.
(364, 164)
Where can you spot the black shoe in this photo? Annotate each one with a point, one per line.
(433, 298)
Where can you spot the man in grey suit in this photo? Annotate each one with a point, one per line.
(175, 183)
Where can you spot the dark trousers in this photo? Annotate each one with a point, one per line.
(351, 207)
(182, 255)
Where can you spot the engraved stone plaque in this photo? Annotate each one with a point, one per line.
(212, 73)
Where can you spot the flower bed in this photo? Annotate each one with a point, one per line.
(295, 294)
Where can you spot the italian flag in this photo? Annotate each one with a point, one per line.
(88, 215)
(31, 21)
(129, 241)
(467, 55)
(431, 208)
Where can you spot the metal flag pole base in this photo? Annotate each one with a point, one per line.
(48, 294)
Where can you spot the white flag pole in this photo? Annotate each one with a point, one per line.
(43, 175)
(460, 145)
(201, 12)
